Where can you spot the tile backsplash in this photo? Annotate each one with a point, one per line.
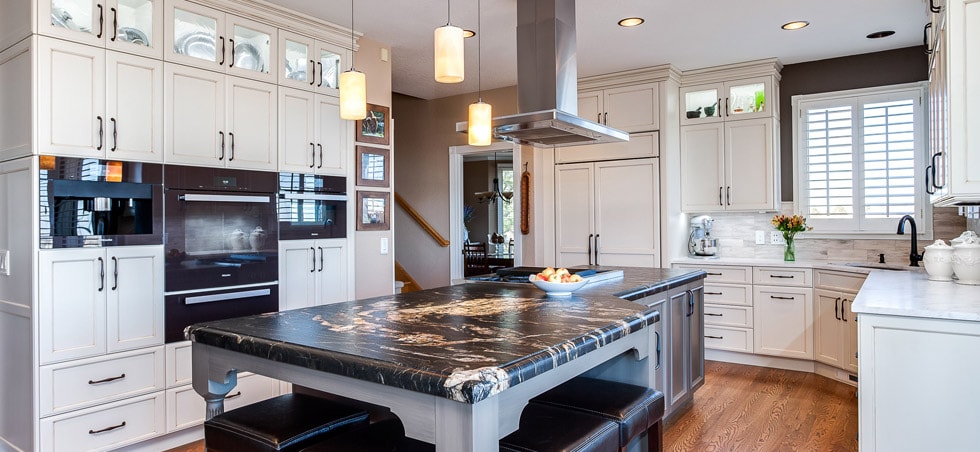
(736, 238)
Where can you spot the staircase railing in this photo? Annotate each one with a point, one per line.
(421, 221)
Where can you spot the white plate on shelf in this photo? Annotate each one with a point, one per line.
(558, 289)
(247, 57)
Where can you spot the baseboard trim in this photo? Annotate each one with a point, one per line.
(168, 441)
(777, 362)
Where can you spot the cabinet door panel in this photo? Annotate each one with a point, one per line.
(783, 322)
(331, 137)
(297, 136)
(331, 272)
(296, 55)
(135, 107)
(76, 20)
(627, 200)
(195, 36)
(827, 327)
(195, 114)
(695, 322)
(678, 384)
(633, 108)
(574, 200)
(134, 276)
(850, 331)
(297, 274)
(138, 26)
(71, 294)
(702, 167)
(71, 99)
(590, 105)
(251, 124)
(751, 165)
(252, 49)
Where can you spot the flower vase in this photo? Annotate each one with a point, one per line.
(789, 253)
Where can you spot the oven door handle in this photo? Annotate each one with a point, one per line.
(224, 198)
(227, 296)
(313, 196)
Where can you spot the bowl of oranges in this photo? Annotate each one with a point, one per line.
(557, 283)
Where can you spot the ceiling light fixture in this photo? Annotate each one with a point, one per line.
(448, 52)
(631, 21)
(880, 34)
(480, 114)
(795, 25)
(353, 85)
(493, 196)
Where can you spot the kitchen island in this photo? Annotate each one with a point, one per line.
(457, 364)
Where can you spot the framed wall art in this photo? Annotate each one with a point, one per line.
(373, 166)
(375, 127)
(373, 211)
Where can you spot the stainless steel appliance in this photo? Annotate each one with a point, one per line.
(700, 243)
(221, 245)
(91, 202)
(312, 207)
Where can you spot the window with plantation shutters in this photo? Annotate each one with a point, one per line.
(858, 159)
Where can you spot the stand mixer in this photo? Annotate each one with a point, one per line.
(701, 244)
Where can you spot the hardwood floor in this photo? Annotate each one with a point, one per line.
(748, 408)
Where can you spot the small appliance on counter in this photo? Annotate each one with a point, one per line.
(701, 244)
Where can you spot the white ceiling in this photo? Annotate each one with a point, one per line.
(690, 34)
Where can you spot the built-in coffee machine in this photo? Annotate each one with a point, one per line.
(700, 243)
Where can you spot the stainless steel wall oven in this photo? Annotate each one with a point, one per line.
(312, 207)
(221, 245)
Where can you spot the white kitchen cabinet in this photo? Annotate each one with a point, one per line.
(310, 65)
(728, 311)
(217, 120)
(783, 323)
(312, 273)
(94, 103)
(835, 325)
(730, 166)
(105, 427)
(633, 108)
(312, 136)
(608, 213)
(97, 300)
(200, 36)
(730, 100)
(685, 330)
(640, 145)
(131, 26)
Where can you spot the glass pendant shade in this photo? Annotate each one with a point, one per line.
(353, 95)
(449, 54)
(479, 130)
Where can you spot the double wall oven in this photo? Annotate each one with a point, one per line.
(312, 206)
(221, 244)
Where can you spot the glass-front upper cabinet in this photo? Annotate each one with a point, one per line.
(210, 39)
(739, 99)
(133, 26)
(310, 65)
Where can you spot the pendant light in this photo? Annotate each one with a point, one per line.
(353, 85)
(448, 52)
(479, 132)
(491, 197)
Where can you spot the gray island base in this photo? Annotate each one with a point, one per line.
(456, 364)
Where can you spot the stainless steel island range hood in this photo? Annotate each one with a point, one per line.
(547, 82)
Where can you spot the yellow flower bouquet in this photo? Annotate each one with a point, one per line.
(789, 226)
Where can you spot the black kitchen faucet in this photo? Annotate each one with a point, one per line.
(914, 256)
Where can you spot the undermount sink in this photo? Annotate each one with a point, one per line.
(876, 266)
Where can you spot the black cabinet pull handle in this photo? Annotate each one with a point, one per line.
(101, 22)
(101, 274)
(836, 308)
(934, 8)
(101, 137)
(222, 134)
(312, 155)
(115, 24)
(727, 113)
(930, 169)
(713, 314)
(935, 167)
(596, 249)
(232, 137)
(720, 190)
(313, 259)
(115, 137)
(107, 429)
(598, 117)
(313, 75)
(690, 303)
(106, 380)
(718, 110)
(319, 64)
(232, 396)
(925, 38)
(222, 62)
(774, 297)
(588, 251)
(714, 337)
(231, 43)
(605, 117)
(714, 274)
(728, 195)
(782, 276)
(321, 258)
(659, 363)
(713, 293)
(115, 273)
(842, 316)
(320, 147)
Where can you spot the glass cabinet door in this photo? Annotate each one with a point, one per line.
(136, 26)
(747, 98)
(251, 49)
(196, 36)
(701, 104)
(297, 59)
(77, 20)
(328, 69)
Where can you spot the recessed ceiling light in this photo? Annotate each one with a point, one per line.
(795, 25)
(881, 34)
(468, 33)
(631, 22)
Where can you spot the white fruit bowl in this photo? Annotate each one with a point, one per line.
(557, 289)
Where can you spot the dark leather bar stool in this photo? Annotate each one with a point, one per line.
(383, 435)
(289, 422)
(546, 428)
(634, 408)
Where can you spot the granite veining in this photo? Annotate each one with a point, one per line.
(912, 294)
(466, 342)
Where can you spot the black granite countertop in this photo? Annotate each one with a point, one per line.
(464, 342)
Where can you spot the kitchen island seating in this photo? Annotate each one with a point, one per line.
(634, 409)
(546, 428)
(289, 422)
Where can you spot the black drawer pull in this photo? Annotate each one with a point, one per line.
(107, 429)
(782, 276)
(713, 274)
(714, 337)
(106, 380)
(237, 394)
(713, 293)
(713, 315)
(782, 298)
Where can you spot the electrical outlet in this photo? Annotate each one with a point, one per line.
(760, 237)
(776, 238)
(5, 262)
(384, 245)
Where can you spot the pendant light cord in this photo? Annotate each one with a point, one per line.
(479, 59)
(352, 52)
(449, 12)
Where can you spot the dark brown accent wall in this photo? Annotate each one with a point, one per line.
(890, 67)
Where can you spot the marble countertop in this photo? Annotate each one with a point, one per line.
(816, 264)
(465, 342)
(912, 294)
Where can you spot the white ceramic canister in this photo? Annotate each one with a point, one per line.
(965, 235)
(966, 261)
(939, 261)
